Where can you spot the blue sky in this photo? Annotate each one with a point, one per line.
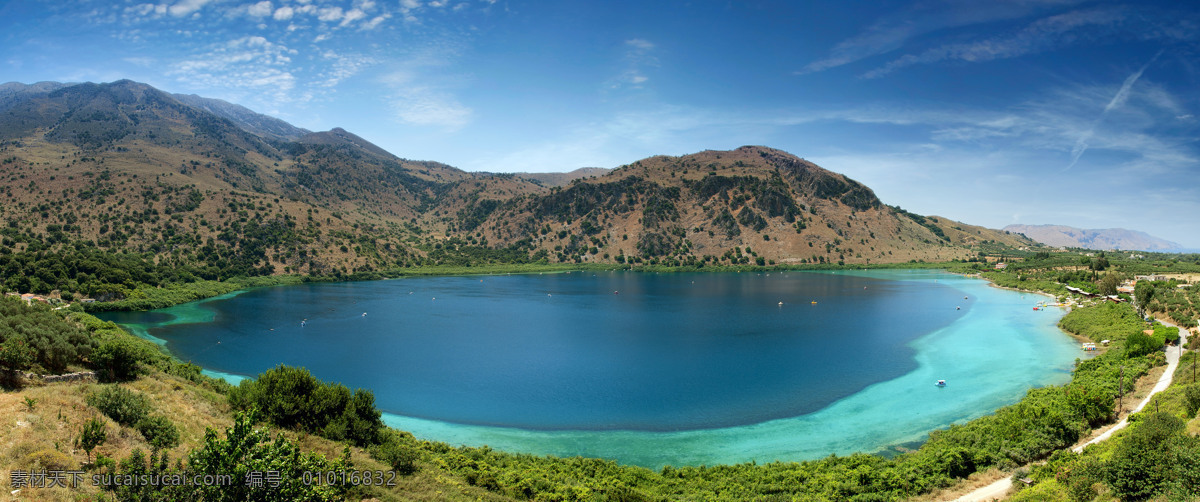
(1072, 112)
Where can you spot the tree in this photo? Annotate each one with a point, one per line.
(119, 359)
(1140, 465)
(246, 449)
(1139, 344)
(1144, 291)
(1108, 284)
(16, 354)
(93, 435)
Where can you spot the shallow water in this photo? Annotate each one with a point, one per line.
(673, 369)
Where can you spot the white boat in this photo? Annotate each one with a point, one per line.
(940, 383)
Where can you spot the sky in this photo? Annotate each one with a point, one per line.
(992, 112)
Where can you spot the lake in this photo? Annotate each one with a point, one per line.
(646, 369)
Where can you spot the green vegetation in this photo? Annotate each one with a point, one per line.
(122, 405)
(245, 449)
(92, 435)
(293, 398)
(39, 339)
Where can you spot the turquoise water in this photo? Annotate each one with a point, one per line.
(647, 369)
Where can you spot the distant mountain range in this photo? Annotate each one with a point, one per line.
(1100, 239)
(562, 179)
(126, 167)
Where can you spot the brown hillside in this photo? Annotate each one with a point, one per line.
(125, 167)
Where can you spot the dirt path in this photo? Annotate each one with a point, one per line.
(999, 489)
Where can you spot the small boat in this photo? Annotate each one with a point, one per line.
(780, 304)
(957, 308)
(814, 302)
(940, 383)
(1035, 308)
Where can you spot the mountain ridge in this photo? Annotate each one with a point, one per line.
(1099, 239)
(125, 167)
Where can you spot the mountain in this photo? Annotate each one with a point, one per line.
(216, 190)
(250, 121)
(1102, 239)
(750, 205)
(561, 179)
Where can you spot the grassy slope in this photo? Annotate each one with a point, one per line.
(49, 430)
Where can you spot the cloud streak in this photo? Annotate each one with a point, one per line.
(1118, 99)
(1054, 32)
(893, 32)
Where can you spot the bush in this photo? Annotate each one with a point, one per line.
(292, 397)
(158, 431)
(122, 405)
(121, 358)
(51, 460)
(1191, 396)
(398, 451)
(1139, 467)
(1139, 344)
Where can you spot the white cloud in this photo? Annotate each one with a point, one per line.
(248, 64)
(329, 14)
(352, 15)
(260, 9)
(284, 13)
(375, 22)
(185, 7)
(342, 66)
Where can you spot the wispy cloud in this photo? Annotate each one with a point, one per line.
(1118, 99)
(637, 59)
(1053, 32)
(893, 31)
(417, 101)
(249, 63)
(341, 67)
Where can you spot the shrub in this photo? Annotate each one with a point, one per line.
(1136, 470)
(120, 358)
(122, 405)
(1191, 397)
(51, 460)
(399, 451)
(292, 397)
(158, 431)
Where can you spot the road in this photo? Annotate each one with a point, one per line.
(999, 489)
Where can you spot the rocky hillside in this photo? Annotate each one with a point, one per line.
(204, 184)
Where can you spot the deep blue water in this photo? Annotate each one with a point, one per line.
(562, 351)
(642, 353)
